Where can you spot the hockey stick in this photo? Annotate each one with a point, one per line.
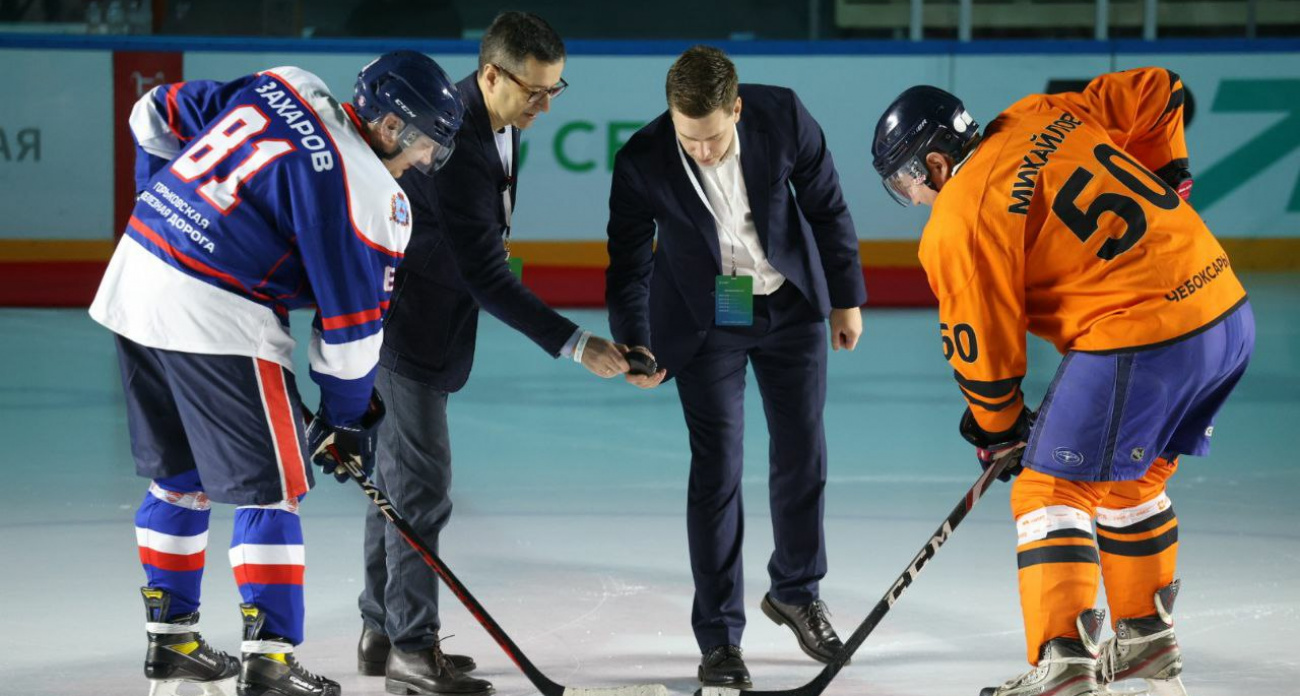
(823, 678)
(539, 680)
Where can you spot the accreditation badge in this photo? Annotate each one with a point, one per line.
(733, 300)
(516, 267)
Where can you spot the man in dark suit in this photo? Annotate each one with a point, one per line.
(457, 261)
(755, 250)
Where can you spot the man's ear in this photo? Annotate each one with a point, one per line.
(939, 167)
(736, 111)
(491, 74)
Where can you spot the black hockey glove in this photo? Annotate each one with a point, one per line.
(991, 448)
(333, 446)
(1179, 178)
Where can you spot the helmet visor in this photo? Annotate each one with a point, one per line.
(420, 151)
(907, 177)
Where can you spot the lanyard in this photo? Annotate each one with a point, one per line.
(732, 232)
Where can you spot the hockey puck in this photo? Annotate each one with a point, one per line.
(640, 364)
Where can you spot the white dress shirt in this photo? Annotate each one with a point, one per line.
(504, 140)
(727, 197)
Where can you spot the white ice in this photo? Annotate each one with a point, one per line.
(569, 525)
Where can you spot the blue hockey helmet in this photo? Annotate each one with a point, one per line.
(414, 88)
(921, 120)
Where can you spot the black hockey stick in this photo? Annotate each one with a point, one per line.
(823, 678)
(539, 680)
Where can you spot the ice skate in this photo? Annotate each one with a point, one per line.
(177, 653)
(269, 667)
(1144, 649)
(1066, 666)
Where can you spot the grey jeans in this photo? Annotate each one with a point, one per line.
(413, 468)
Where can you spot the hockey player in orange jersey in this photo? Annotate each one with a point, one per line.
(1066, 217)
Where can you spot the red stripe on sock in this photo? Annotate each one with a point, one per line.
(171, 561)
(252, 573)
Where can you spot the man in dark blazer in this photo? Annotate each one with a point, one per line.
(456, 262)
(755, 249)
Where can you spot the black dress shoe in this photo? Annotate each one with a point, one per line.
(724, 665)
(429, 672)
(810, 624)
(372, 654)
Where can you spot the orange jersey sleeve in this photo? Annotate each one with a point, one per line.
(979, 280)
(1141, 111)
(1050, 226)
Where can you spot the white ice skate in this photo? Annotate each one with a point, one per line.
(1066, 666)
(1144, 649)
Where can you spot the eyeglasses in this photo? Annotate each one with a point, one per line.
(535, 95)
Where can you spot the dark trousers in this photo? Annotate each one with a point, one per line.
(787, 347)
(413, 467)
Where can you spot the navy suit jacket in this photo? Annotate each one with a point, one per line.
(661, 295)
(455, 262)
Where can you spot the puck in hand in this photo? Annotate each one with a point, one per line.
(640, 364)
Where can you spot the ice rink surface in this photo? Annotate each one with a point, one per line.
(569, 524)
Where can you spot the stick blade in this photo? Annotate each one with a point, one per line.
(632, 690)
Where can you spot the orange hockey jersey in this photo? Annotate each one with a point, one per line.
(1056, 225)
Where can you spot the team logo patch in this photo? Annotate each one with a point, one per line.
(401, 210)
(1138, 453)
(1067, 456)
(1209, 432)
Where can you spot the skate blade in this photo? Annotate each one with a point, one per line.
(1166, 687)
(164, 687)
(1148, 687)
(172, 687)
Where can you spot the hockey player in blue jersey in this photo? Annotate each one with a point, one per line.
(256, 197)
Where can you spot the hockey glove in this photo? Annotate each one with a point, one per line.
(332, 447)
(1179, 179)
(990, 448)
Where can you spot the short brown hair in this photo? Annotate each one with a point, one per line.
(702, 81)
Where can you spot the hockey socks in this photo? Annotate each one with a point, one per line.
(1056, 555)
(171, 530)
(266, 553)
(1061, 563)
(1137, 532)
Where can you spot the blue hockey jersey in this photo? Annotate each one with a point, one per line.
(256, 197)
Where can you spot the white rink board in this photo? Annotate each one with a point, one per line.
(568, 154)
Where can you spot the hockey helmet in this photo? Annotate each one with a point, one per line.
(414, 88)
(921, 120)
